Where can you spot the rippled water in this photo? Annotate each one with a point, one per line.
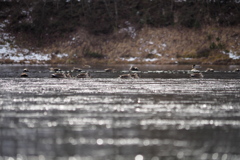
(161, 116)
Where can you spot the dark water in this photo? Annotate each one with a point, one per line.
(146, 71)
(164, 115)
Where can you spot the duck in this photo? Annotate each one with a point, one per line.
(236, 70)
(135, 76)
(24, 74)
(83, 75)
(25, 70)
(86, 66)
(133, 68)
(76, 69)
(68, 75)
(58, 75)
(209, 70)
(196, 75)
(55, 69)
(109, 70)
(194, 70)
(125, 76)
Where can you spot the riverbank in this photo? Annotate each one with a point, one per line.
(112, 32)
(167, 45)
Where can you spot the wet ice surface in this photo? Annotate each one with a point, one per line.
(119, 119)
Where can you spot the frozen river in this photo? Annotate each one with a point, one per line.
(164, 115)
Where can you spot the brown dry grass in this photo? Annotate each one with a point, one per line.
(170, 42)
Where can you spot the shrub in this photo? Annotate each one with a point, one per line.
(213, 45)
(220, 46)
(203, 53)
(91, 54)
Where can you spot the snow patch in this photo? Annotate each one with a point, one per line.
(162, 46)
(137, 58)
(150, 42)
(130, 59)
(8, 50)
(187, 58)
(12, 52)
(232, 54)
(22, 56)
(62, 55)
(150, 59)
(155, 52)
(130, 30)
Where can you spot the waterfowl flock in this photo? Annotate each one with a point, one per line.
(74, 73)
(132, 72)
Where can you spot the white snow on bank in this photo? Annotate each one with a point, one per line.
(6, 49)
(30, 56)
(10, 51)
(62, 55)
(155, 52)
(16, 54)
(130, 59)
(150, 59)
(232, 54)
(150, 42)
(130, 30)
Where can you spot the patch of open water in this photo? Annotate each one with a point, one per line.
(150, 118)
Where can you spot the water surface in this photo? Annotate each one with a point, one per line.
(164, 115)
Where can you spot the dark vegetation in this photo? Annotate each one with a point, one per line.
(53, 18)
(197, 29)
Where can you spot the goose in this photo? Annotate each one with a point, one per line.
(236, 70)
(68, 75)
(86, 66)
(76, 69)
(135, 75)
(55, 69)
(196, 75)
(83, 75)
(194, 70)
(109, 70)
(209, 70)
(58, 75)
(133, 68)
(24, 75)
(125, 76)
